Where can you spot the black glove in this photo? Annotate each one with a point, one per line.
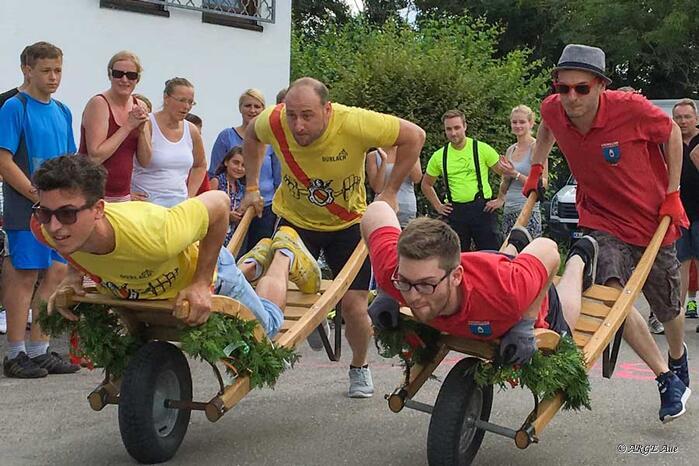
(518, 345)
(384, 312)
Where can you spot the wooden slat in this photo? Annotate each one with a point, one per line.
(588, 324)
(294, 313)
(327, 301)
(581, 339)
(324, 285)
(597, 292)
(296, 298)
(595, 308)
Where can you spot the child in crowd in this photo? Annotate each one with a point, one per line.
(230, 177)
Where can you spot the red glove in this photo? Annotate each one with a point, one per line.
(533, 179)
(672, 207)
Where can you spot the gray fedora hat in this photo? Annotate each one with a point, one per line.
(584, 58)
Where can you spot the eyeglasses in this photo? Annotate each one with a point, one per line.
(183, 100)
(65, 215)
(422, 288)
(582, 88)
(130, 75)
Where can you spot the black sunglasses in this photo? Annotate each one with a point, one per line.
(130, 75)
(582, 89)
(65, 215)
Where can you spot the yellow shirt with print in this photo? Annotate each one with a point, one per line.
(334, 163)
(461, 169)
(156, 249)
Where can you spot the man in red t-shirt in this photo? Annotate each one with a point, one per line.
(611, 140)
(479, 295)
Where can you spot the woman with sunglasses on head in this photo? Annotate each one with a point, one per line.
(515, 166)
(113, 127)
(250, 104)
(176, 148)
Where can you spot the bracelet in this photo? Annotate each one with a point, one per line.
(251, 188)
(517, 176)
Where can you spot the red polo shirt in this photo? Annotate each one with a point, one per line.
(495, 291)
(621, 172)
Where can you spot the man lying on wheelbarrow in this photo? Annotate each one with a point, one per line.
(139, 250)
(481, 295)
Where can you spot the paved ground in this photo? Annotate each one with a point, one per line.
(308, 421)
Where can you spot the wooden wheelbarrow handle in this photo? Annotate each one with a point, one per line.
(68, 298)
(524, 216)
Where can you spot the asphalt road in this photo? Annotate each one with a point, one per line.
(307, 420)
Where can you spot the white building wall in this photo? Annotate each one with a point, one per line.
(220, 61)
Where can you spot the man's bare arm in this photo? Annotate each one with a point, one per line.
(14, 176)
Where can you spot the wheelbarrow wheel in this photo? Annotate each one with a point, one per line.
(452, 438)
(151, 432)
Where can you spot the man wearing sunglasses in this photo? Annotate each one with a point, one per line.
(140, 250)
(477, 295)
(35, 128)
(611, 141)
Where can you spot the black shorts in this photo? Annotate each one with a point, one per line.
(555, 317)
(337, 247)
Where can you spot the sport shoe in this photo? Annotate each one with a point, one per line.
(21, 367)
(361, 385)
(680, 367)
(3, 320)
(654, 325)
(304, 270)
(314, 340)
(261, 254)
(673, 396)
(691, 310)
(588, 250)
(54, 363)
(519, 238)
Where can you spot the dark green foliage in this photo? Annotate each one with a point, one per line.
(418, 74)
(396, 342)
(102, 337)
(231, 339)
(106, 343)
(546, 374)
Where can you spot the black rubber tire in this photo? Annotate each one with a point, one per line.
(449, 441)
(152, 434)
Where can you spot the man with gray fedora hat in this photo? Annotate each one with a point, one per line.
(611, 141)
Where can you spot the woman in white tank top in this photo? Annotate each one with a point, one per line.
(177, 148)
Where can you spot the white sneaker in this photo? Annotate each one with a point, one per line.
(3, 320)
(655, 326)
(29, 316)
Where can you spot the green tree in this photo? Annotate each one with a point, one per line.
(419, 74)
(311, 17)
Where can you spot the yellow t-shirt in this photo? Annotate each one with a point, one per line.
(334, 163)
(461, 169)
(156, 249)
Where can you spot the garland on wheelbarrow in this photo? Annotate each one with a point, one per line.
(546, 374)
(105, 341)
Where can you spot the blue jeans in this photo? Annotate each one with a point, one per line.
(231, 282)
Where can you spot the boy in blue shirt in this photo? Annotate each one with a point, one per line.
(35, 128)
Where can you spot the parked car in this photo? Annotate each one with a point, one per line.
(563, 215)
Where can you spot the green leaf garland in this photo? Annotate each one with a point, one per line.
(105, 341)
(562, 370)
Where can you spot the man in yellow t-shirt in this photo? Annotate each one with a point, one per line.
(139, 250)
(467, 187)
(321, 147)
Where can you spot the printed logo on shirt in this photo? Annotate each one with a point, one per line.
(341, 157)
(480, 328)
(320, 192)
(611, 152)
(154, 288)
